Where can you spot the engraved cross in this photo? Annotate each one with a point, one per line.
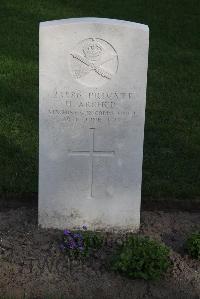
(92, 153)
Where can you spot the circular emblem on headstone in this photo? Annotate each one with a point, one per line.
(93, 62)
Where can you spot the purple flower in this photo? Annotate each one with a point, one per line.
(81, 248)
(71, 244)
(78, 236)
(80, 245)
(67, 232)
(84, 227)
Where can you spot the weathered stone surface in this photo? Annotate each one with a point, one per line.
(92, 111)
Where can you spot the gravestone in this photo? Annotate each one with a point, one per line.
(93, 75)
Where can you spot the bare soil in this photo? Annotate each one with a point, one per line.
(33, 266)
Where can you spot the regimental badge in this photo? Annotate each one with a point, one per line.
(93, 62)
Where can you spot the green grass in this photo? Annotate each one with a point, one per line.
(172, 133)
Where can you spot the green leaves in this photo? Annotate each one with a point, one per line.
(193, 245)
(81, 243)
(140, 257)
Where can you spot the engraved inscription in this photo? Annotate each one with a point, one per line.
(92, 153)
(93, 62)
(78, 108)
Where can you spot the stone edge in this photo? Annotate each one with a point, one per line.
(87, 20)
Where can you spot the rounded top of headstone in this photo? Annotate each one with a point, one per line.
(102, 21)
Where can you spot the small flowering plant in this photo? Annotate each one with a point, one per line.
(80, 243)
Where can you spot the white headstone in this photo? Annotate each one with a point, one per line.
(93, 75)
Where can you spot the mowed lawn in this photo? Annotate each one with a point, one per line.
(171, 165)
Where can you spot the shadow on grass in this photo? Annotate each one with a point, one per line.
(171, 150)
(18, 169)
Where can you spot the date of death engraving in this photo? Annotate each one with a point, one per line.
(76, 108)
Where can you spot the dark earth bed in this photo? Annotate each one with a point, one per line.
(32, 265)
